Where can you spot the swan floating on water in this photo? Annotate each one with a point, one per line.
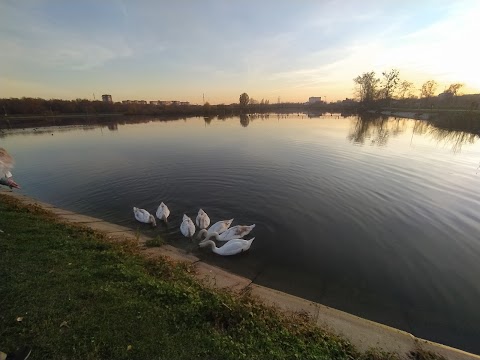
(144, 216)
(231, 247)
(163, 212)
(219, 227)
(235, 232)
(202, 220)
(187, 227)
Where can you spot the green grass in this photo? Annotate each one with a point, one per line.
(155, 242)
(82, 297)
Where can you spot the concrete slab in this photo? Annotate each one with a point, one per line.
(56, 211)
(363, 333)
(285, 302)
(77, 218)
(173, 253)
(105, 227)
(26, 200)
(128, 235)
(446, 351)
(215, 277)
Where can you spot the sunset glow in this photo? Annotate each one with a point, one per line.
(216, 50)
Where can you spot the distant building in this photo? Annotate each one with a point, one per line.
(107, 98)
(314, 99)
(140, 102)
(155, 102)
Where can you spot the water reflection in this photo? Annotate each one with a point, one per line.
(244, 120)
(377, 129)
(373, 230)
(453, 138)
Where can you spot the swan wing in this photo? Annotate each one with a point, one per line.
(163, 211)
(166, 211)
(141, 215)
(220, 226)
(236, 232)
(233, 247)
(187, 227)
(184, 228)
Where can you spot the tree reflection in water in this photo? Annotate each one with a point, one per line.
(377, 129)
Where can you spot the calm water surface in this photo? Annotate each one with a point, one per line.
(380, 219)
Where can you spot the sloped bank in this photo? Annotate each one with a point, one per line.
(363, 334)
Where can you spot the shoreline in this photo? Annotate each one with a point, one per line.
(362, 333)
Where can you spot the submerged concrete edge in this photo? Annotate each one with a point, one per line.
(362, 333)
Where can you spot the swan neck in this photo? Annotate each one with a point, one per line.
(213, 234)
(211, 243)
(201, 232)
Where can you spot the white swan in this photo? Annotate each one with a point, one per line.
(202, 220)
(219, 227)
(235, 232)
(144, 216)
(231, 247)
(6, 163)
(163, 212)
(187, 227)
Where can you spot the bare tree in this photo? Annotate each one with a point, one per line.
(367, 87)
(405, 89)
(390, 83)
(453, 89)
(428, 89)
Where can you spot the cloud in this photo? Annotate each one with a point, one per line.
(29, 39)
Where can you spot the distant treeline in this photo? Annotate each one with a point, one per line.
(390, 90)
(42, 107)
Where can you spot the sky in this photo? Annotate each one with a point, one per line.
(215, 50)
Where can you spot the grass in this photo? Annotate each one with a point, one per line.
(70, 294)
(155, 242)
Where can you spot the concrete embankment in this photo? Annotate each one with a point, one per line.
(364, 334)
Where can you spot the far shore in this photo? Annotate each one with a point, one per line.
(454, 119)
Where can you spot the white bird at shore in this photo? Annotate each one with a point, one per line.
(187, 227)
(219, 227)
(202, 220)
(6, 163)
(235, 232)
(231, 247)
(144, 216)
(163, 212)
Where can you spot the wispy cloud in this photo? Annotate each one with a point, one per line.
(273, 47)
(46, 45)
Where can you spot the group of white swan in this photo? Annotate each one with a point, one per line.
(221, 230)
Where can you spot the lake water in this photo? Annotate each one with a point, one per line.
(378, 218)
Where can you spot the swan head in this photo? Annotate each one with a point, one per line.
(228, 222)
(185, 217)
(201, 212)
(135, 209)
(205, 243)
